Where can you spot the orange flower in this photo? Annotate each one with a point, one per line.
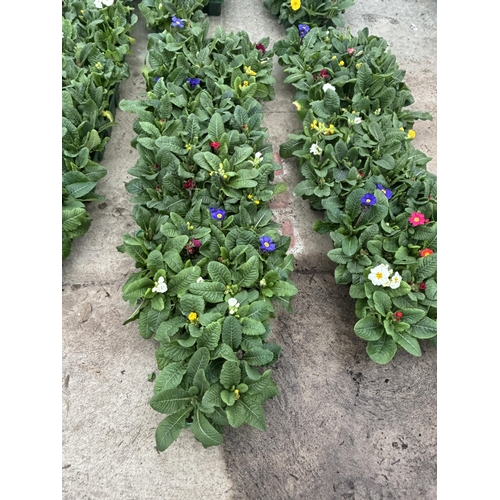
(425, 252)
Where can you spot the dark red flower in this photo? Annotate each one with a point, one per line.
(215, 145)
(260, 47)
(158, 189)
(324, 74)
(196, 243)
(189, 184)
(156, 166)
(397, 316)
(422, 286)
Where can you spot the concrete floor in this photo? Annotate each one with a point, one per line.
(342, 427)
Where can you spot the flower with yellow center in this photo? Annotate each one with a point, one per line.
(249, 196)
(411, 134)
(256, 202)
(188, 146)
(248, 71)
(295, 4)
(341, 63)
(192, 317)
(236, 394)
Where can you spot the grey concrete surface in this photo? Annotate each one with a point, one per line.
(342, 427)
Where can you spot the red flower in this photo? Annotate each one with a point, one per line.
(196, 243)
(189, 184)
(425, 252)
(324, 74)
(397, 316)
(422, 286)
(417, 219)
(156, 166)
(260, 47)
(215, 145)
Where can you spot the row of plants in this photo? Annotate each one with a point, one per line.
(212, 264)
(360, 169)
(95, 41)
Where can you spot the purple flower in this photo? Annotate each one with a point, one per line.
(193, 82)
(267, 244)
(368, 199)
(177, 23)
(217, 213)
(384, 190)
(303, 30)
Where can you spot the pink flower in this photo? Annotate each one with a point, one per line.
(351, 51)
(417, 219)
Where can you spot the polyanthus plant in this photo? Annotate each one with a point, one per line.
(163, 15)
(292, 12)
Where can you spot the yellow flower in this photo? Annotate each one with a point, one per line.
(411, 134)
(256, 202)
(295, 4)
(236, 394)
(249, 196)
(358, 65)
(334, 57)
(341, 63)
(401, 128)
(192, 317)
(107, 114)
(330, 130)
(248, 71)
(98, 65)
(225, 176)
(188, 147)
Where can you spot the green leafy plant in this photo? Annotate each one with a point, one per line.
(361, 170)
(312, 12)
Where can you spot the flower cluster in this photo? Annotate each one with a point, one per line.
(192, 246)
(267, 244)
(315, 149)
(386, 191)
(193, 82)
(160, 285)
(103, 3)
(368, 200)
(303, 30)
(177, 23)
(217, 213)
(233, 305)
(322, 74)
(381, 276)
(417, 219)
(322, 128)
(190, 184)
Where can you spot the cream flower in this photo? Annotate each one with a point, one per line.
(327, 86)
(395, 281)
(160, 285)
(315, 149)
(379, 275)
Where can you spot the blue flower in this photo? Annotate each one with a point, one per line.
(217, 213)
(384, 190)
(157, 78)
(368, 199)
(193, 82)
(177, 23)
(303, 30)
(267, 244)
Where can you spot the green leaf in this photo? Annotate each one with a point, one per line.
(205, 432)
(180, 283)
(212, 292)
(426, 267)
(426, 328)
(170, 400)
(382, 350)
(219, 272)
(249, 272)
(169, 429)
(170, 377)
(199, 360)
(382, 303)
(230, 375)
(369, 328)
(258, 356)
(254, 413)
(408, 343)
(216, 127)
(231, 332)
(210, 336)
(236, 414)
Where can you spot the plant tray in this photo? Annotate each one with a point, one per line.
(213, 8)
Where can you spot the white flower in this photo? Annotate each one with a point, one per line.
(200, 280)
(379, 275)
(357, 120)
(258, 156)
(395, 280)
(315, 149)
(98, 4)
(327, 86)
(233, 305)
(160, 286)
(108, 3)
